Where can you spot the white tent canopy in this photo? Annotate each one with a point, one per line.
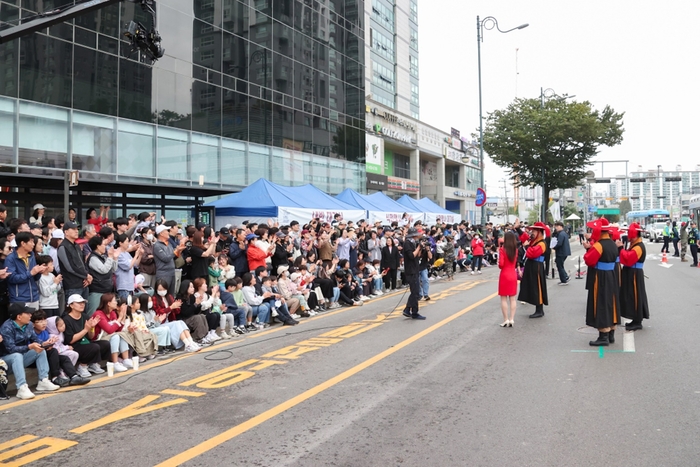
(573, 217)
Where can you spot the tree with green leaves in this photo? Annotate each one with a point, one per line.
(554, 140)
(625, 207)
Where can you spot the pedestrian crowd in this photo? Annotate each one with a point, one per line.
(128, 289)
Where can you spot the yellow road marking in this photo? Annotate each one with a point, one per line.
(11, 405)
(178, 392)
(284, 406)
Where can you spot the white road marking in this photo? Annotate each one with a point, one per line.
(627, 338)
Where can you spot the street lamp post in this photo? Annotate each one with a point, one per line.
(487, 23)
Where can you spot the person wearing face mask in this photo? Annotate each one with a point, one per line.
(147, 265)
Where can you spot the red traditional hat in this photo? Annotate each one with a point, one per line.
(603, 224)
(615, 233)
(634, 230)
(538, 225)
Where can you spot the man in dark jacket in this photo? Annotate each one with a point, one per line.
(76, 277)
(562, 250)
(4, 230)
(24, 272)
(237, 254)
(412, 252)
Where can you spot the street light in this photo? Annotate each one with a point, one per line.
(487, 23)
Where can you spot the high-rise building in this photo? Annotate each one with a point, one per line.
(246, 89)
(661, 188)
(391, 44)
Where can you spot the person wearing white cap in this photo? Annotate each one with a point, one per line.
(57, 237)
(38, 214)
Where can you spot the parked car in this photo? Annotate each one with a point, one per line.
(656, 232)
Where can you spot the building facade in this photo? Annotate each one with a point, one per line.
(407, 157)
(246, 89)
(662, 189)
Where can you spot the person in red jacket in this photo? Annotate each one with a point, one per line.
(477, 252)
(508, 280)
(256, 256)
(108, 327)
(533, 286)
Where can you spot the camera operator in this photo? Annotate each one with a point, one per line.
(412, 251)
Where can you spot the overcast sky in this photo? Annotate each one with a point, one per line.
(640, 57)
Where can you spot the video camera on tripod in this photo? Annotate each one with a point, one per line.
(142, 40)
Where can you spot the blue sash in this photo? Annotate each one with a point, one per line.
(539, 259)
(605, 266)
(637, 266)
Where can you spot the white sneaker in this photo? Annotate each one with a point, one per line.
(472, 273)
(213, 337)
(224, 335)
(295, 316)
(24, 392)
(191, 348)
(364, 298)
(478, 272)
(95, 368)
(46, 385)
(274, 313)
(312, 313)
(120, 367)
(127, 363)
(83, 371)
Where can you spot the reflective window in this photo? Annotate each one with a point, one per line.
(46, 66)
(135, 155)
(93, 143)
(7, 131)
(258, 162)
(95, 81)
(43, 135)
(233, 163)
(172, 154)
(205, 158)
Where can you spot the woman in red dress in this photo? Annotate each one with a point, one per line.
(508, 280)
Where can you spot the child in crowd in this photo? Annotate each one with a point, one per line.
(55, 326)
(49, 286)
(377, 276)
(61, 369)
(300, 292)
(214, 271)
(227, 271)
(136, 333)
(206, 303)
(237, 311)
(140, 306)
(241, 302)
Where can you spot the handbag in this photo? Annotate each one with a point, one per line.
(519, 272)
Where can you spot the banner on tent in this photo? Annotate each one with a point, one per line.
(303, 215)
(386, 218)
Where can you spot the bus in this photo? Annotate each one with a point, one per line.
(649, 219)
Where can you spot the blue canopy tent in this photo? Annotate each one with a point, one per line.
(449, 216)
(432, 212)
(391, 206)
(263, 200)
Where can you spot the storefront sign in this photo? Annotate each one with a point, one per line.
(391, 118)
(374, 152)
(393, 134)
(454, 133)
(429, 175)
(461, 194)
(453, 155)
(376, 181)
(401, 184)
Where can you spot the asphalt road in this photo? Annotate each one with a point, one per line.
(366, 387)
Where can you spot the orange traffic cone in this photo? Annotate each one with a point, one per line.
(664, 258)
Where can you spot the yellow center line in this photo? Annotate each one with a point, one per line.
(284, 406)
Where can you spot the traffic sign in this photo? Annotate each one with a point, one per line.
(480, 197)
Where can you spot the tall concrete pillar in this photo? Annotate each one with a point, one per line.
(415, 169)
(441, 181)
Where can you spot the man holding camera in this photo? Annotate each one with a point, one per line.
(412, 252)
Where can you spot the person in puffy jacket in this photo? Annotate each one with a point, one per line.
(24, 272)
(477, 252)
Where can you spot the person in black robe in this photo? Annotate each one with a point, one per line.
(633, 295)
(603, 306)
(533, 286)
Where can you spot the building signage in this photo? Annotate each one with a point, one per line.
(391, 118)
(376, 182)
(374, 154)
(393, 134)
(453, 155)
(402, 184)
(455, 133)
(461, 194)
(454, 142)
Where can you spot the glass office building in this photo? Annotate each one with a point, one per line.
(246, 89)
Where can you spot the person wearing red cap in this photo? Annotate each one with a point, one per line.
(533, 286)
(633, 294)
(603, 307)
